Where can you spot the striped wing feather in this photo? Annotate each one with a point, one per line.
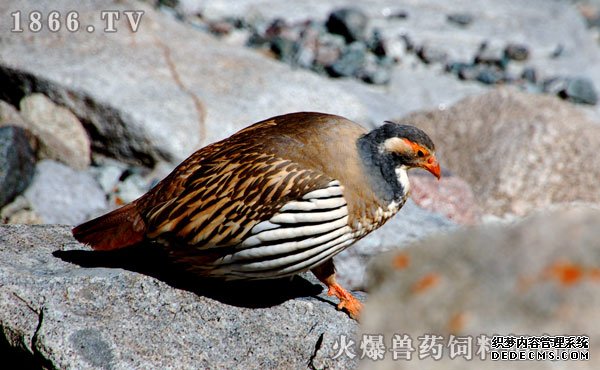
(221, 206)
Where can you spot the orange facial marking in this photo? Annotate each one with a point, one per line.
(401, 261)
(416, 147)
(426, 282)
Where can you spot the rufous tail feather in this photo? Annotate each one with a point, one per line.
(120, 228)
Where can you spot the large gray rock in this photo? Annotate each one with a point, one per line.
(160, 92)
(61, 195)
(410, 224)
(539, 276)
(519, 151)
(17, 163)
(61, 135)
(64, 315)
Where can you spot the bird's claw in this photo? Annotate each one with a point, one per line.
(348, 302)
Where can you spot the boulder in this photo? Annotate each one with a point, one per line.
(536, 277)
(61, 135)
(65, 307)
(518, 151)
(17, 163)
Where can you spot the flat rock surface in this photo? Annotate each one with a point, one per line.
(62, 306)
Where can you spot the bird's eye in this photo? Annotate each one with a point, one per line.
(420, 154)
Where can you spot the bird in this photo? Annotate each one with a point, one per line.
(277, 198)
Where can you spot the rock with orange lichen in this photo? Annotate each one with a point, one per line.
(538, 276)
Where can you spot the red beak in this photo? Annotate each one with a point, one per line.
(433, 166)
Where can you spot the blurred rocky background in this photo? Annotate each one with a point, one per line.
(505, 243)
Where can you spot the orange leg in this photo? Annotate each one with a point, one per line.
(326, 274)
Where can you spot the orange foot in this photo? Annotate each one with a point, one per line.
(347, 301)
(326, 274)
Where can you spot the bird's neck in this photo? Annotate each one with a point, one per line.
(389, 181)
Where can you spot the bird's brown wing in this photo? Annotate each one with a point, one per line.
(219, 203)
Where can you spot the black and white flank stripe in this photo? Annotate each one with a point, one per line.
(301, 235)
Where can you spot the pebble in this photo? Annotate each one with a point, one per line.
(489, 75)
(460, 19)
(329, 49)
(516, 52)
(351, 61)
(351, 23)
(377, 44)
(529, 74)
(376, 71)
(429, 54)
(491, 55)
(581, 90)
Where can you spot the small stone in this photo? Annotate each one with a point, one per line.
(62, 136)
(61, 195)
(220, 28)
(557, 52)
(398, 14)
(283, 48)
(329, 49)
(554, 85)
(395, 49)
(377, 44)
(351, 23)
(107, 176)
(306, 46)
(581, 90)
(491, 55)
(529, 74)
(17, 163)
(408, 42)
(516, 52)
(351, 61)
(468, 72)
(460, 19)
(377, 72)
(490, 75)
(457, 67)
(431, 55)
(133, 187)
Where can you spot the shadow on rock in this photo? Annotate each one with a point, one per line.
(152, 261)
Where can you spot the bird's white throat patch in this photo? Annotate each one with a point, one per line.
(402, 175)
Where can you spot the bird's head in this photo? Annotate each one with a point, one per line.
(409, 146)
(396, 147)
